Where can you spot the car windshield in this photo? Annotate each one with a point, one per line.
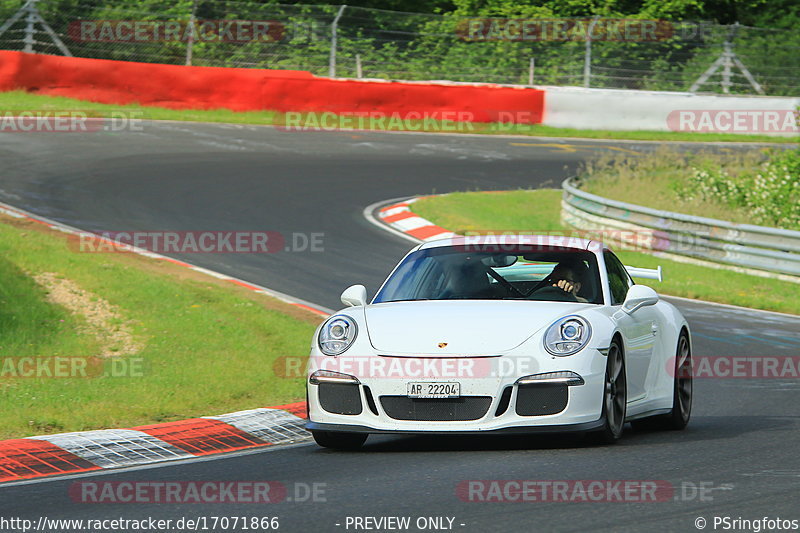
(510, 273)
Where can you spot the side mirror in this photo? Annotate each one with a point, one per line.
(355, 295)
(639, 296)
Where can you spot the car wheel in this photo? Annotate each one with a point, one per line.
(339, 440)
(681, 411)
(615, 396)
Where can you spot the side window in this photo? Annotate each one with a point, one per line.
(417, 277)
(618, 279)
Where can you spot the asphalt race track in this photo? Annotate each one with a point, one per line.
(738, 458)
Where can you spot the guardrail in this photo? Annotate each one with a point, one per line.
(742, 245)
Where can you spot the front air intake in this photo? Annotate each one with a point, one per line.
(541, 399)
(436, 409)
(340, 398)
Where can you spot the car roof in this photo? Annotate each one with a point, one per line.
(516, 239)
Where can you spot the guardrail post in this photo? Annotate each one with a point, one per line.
(334, 28)
(727, 60)
(530, 72)
(32, 17)
(30, 22)
(190, 41)
(587, 58)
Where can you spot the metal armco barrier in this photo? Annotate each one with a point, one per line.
(742, 245)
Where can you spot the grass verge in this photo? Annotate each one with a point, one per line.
(750, 186)
(16, 101)
(202, 345)
(538, 211)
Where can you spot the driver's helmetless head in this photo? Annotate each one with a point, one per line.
(569, 275)
(568, 271)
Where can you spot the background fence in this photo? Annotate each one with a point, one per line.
(356, 42)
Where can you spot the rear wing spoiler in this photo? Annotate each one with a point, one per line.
(647, 273)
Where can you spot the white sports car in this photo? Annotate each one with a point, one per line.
(501, 335)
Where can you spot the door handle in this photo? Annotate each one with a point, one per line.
(654, 328)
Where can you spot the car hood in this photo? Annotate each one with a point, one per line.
(448, 328)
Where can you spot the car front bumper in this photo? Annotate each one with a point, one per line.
(372, 404)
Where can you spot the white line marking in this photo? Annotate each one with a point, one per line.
(408, 224)
(210, 272)
(394, 211)
(370, 217)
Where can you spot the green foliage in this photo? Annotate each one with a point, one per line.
(742, 186)
(771, 193)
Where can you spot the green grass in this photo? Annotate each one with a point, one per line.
(29, 326)
(209, 347)
(666, 175)
(23, 101)
(538, 210)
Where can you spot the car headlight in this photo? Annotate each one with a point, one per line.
(567, 335)
(337, 334)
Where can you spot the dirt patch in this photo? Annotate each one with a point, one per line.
(103, 320)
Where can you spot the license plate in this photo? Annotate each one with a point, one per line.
(429, 389)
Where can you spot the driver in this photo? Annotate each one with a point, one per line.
(568, 276)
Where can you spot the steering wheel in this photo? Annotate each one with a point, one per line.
(554, 294)
(546, 282)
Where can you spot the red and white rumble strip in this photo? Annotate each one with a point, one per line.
(84, 451)
(400, 217)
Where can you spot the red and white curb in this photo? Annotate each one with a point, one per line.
(85, 451)
(399, 217)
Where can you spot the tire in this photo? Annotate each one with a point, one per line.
(339, 440)
(615, 397)
(682, 392)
